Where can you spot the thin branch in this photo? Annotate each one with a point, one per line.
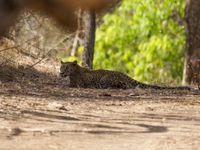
(15, 47)
(5, 49)
(41, 59)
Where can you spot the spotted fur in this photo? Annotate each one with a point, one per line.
(86, 78)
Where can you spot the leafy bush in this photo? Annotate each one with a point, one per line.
(144, 39)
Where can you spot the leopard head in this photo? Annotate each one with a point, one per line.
(68, 68)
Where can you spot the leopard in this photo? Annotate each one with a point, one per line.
(82, 77)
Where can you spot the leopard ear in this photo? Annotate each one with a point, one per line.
(75, 62)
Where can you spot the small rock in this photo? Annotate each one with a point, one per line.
(55, 105)
(105, 94)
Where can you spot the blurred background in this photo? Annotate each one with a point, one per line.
(144, 39)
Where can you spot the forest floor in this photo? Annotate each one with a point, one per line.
(38, 111)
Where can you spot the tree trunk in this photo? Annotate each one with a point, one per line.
(192, 65)
(90, 27)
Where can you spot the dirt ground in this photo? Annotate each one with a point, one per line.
(38, 112)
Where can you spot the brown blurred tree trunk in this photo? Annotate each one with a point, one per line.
(192, 65)
(89, 43)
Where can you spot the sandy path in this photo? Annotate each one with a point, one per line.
(74, 119)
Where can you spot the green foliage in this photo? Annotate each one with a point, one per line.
(144, 39)
(66, 57)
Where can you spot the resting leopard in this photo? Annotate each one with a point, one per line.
(86, 78)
